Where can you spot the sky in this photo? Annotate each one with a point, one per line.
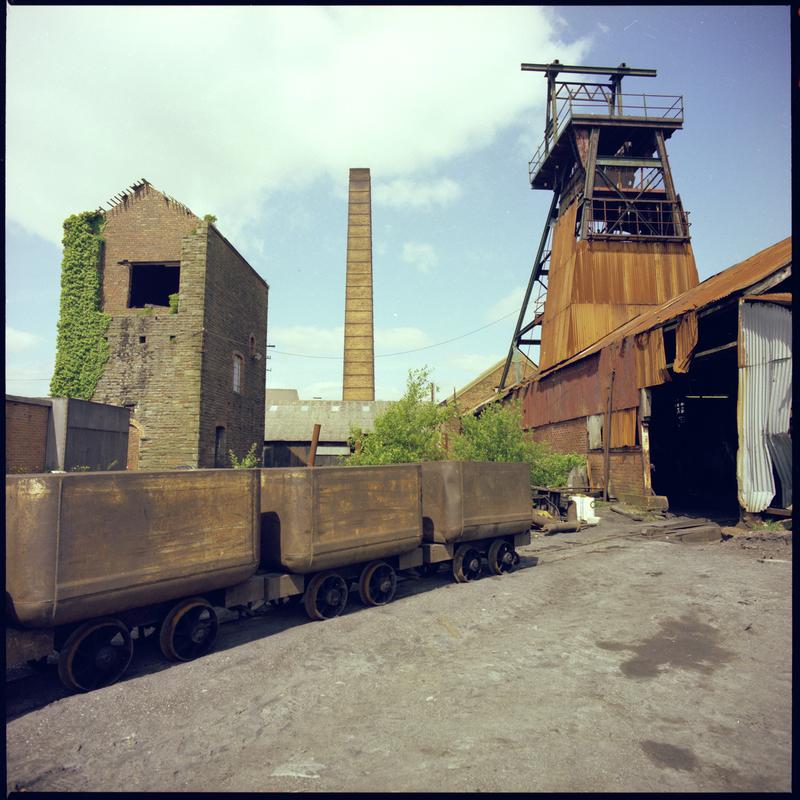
(255, 114)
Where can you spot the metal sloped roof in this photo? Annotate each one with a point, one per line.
(712, 290)
(294, 421)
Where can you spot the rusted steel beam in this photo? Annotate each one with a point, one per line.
(312, 456)
(537, 267)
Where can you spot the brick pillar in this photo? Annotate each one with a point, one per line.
(358, 381)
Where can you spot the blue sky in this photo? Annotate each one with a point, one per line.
(256, 114)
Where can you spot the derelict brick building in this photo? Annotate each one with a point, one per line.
(192, 372)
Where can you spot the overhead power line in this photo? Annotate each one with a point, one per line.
(405, 352)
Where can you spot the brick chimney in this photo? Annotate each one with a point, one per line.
(358, 381)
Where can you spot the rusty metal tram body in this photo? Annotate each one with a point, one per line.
(94, 559)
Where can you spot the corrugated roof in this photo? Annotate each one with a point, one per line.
(712, 290)
(294, 422)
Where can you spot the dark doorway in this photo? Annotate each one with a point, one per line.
(152, 284)
(694, 438)
(219, 447)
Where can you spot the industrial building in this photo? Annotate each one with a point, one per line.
(669, 387)
(289, 425)
(191, 372)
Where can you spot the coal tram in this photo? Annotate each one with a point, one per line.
(95, 559)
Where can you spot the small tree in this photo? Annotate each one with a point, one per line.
(497, 435)
(249, 461)
(410, 430)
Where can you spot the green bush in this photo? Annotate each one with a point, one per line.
(409, 430)
(173, 303)
(81, 348)
(497, 435)
(249, 461)
(412, 430)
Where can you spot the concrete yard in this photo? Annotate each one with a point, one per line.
(617, 663)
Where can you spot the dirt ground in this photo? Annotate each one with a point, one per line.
(608, 661)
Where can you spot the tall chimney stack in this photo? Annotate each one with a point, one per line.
(358, 381)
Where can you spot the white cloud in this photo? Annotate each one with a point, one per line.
(506, 305)
(395, 340)
(20, 341)
(416, 194)
(231, 103)
(420, 255)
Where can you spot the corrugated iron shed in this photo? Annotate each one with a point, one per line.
(765, 401)
(712, 290)
(294, 422)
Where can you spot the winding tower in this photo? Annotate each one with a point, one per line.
(616, 239)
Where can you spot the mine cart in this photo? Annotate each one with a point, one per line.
(472, 509)
(334, 524)
(92, 556)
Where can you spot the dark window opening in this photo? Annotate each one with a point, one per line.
(152, 284)
(142, 339)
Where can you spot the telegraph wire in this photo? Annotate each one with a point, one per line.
(336, 358)
(405, 352)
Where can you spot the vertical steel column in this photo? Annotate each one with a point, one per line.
(677, 220)
(588, 184)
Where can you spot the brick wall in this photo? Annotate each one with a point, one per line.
(145, 226)
(235, 309)
(26, 436)
(469, 396)
(565, 437)
(626, 473)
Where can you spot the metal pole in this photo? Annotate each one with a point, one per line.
(534, 275)
(312, 456)
(607, 440)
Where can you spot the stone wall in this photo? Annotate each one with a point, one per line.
(26, 436)
(154, 362)
(235, 310)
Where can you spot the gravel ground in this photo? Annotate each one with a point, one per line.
(607, 662)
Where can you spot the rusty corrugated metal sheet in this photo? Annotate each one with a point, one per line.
(595, 287)
(623, 428)
(765, 400)
(621, 357)
(573, 394)
(582, 388)
(685, 341)
(711, 290)
(651, 364)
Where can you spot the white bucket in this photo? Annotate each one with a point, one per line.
(583, 507)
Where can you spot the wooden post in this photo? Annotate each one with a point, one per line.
(607, 439)
(312, 456)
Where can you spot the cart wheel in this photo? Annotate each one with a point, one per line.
(189, 630)
(96, 654)
(501, 557)
(466, 564)
(377, 584)
(326, 596)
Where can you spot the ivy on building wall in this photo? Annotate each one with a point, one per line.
(81, 348)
